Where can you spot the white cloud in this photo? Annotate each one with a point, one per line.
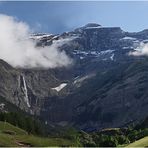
(141, 50)
(19, 51)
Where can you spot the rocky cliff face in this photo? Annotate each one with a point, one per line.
(105, 87)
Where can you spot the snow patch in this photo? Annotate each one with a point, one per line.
(60, 87)
(40, 36)
(106, 51)
(81, 58)
(79, 80)
(128, 38)
(136, 41)
(128, 47)
(92, 53)
(93, 27)
(145, 41)
(55, 37)
(112, 56)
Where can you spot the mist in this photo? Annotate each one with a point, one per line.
(140, 51)
(18, 50)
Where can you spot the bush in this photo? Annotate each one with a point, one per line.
(108, 141)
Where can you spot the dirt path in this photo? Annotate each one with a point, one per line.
(23, 144)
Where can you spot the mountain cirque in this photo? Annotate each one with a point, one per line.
(104, 86)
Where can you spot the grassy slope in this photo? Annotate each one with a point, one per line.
(21, 137)
(140, 143)
(4, 126)
(11, 140)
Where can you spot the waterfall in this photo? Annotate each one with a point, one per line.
(26, 92)
(19, 82)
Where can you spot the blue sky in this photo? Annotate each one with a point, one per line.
(57, 17)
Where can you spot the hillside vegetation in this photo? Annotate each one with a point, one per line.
(26, 131)
(13, 136)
